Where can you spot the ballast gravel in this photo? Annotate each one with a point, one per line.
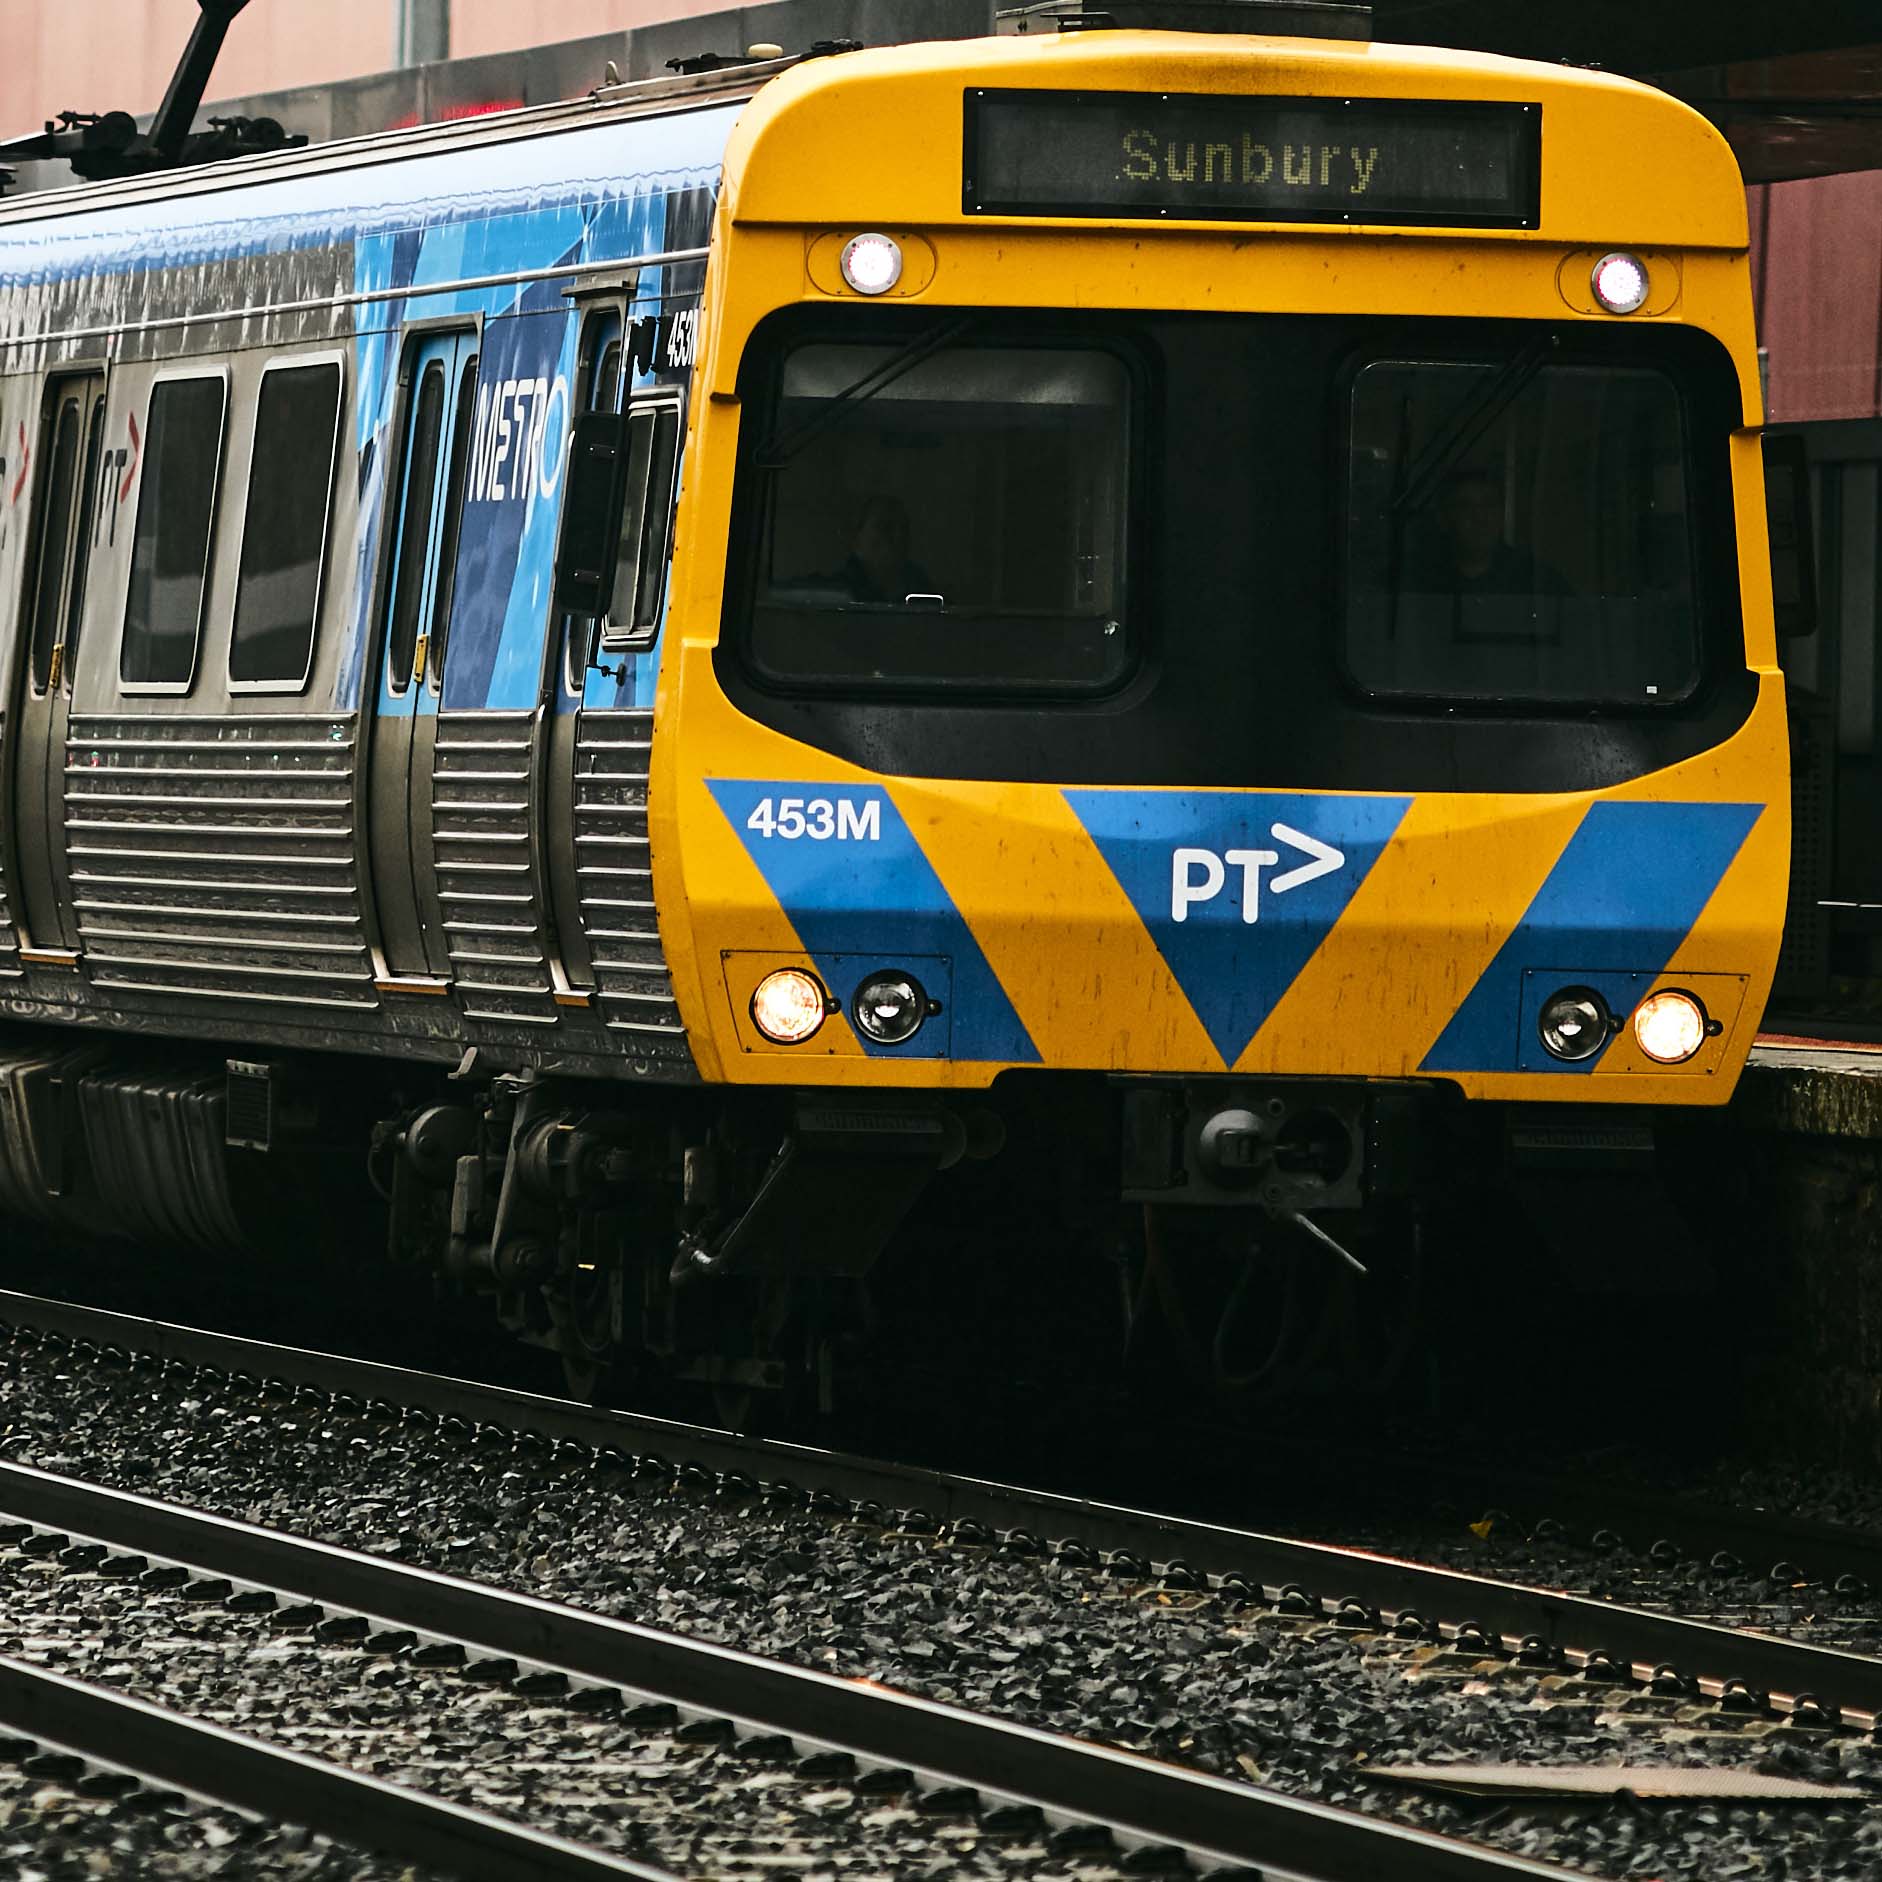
(1184, 1674)
(686, 1796)
(63, 1823)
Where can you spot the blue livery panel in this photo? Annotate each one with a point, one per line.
(1237, 888)
(1622, 897)
(855, 885)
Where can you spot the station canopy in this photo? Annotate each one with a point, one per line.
(1797, 88)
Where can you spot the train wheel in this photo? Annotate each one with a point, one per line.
(584, 1302)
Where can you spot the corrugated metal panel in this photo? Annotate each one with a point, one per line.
(614, 868)
(214, 857)
(1817, 274)
(488, 874)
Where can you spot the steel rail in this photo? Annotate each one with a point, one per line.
(1220, 1820)
(1758, 1538)
(1441, 1600)
(359, 1811)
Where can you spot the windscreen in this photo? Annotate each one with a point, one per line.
(1518, 530)
(944, 516)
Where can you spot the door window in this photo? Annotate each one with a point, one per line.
(284, 533)
(87, 524)
(421, 478)
(598, 388)
(163, 614)
(653, 448)
(55, 531)
(462, 431)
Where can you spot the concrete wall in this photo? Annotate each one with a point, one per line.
(1802, 1328)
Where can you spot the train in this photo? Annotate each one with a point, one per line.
(1174, 593)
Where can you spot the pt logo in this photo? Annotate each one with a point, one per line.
(1238, 889)
(1200, 875)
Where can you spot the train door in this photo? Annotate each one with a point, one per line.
(601, 375)
(596, 846)
(434, 457)
(71, 435)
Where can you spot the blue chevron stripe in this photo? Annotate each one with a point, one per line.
(1621, 898)
(858, 889)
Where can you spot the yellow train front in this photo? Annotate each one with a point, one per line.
(1232, 567)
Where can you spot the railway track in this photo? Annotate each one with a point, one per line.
(1149, 1817)
(1593, 1642)
(1587, 1512)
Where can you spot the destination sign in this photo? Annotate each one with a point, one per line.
(1211, 157)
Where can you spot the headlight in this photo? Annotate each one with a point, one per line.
(890, 1007)
(789, 1006)
(1575, 1023)
(1670, 1026)
(1621, 283)
(872, 264)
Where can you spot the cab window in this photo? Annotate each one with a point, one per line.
(1519, 531)
(942, 516)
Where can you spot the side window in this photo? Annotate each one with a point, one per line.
(284, 534)
(653, 449)
(176, 507)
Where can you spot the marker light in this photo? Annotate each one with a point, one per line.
(1620, 283)
(1575, 1023)
(1670, 1026)
(890, 1007)
(788, 1006)
(872, 264)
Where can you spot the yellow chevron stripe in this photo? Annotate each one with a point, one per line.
(1080, 968)
(1416, 937)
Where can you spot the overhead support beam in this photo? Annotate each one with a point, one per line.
(421, 32)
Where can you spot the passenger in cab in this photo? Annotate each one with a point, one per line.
(1472, 557)
(878, 570)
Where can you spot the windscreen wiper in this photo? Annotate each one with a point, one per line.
(782, 445)
(1471, 420)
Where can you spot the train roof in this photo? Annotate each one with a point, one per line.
(520, 160)
(1622, 160)
(613, 104)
